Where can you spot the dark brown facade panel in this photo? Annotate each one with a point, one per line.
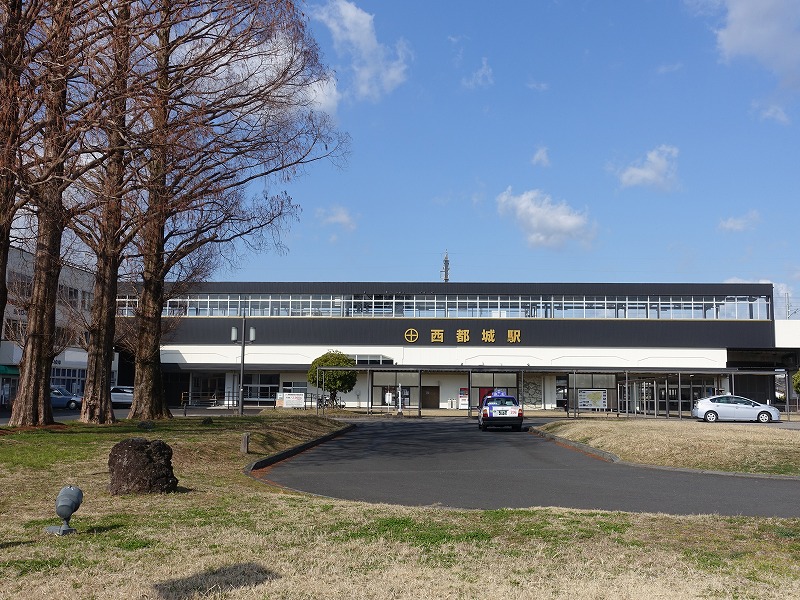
(460, 288)
(611, 333)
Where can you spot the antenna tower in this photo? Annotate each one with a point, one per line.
(446, 268)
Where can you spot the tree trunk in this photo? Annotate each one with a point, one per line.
(149, 401)
(10, 56)
(5, 248)
(32, 404)
(97, 406)
(148, 398)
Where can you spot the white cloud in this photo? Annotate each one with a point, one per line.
(703, 7)
(541, 158)
(336, 216)
(781, 291)
(740, 223)
(767, 30)
(544, 222)
(377, 69)
(772, 112)
(326, 96)
(672, 68)
(779, 288)
(538, 86)
(483, 77)
(456, 43)
(658, 169)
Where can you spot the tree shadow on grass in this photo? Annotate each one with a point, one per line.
(14, 544)
(215, 580)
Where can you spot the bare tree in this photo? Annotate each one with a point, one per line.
(54, 160)
(105, 230)
(146, 127)
(16, 21)
(231, 101)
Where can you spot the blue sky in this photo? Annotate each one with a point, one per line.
(553, 141)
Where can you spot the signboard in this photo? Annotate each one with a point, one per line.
(485, 335)
(294, 400)
(593, 399)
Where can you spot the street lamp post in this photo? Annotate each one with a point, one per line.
(236, 337)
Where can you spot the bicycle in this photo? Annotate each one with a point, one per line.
(327, 402)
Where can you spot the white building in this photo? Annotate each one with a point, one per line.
(643, 347)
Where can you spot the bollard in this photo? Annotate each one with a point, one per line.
(245, 443)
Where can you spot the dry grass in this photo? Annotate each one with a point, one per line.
(688, 443)
(225, 535)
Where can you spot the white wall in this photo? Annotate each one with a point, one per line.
(787, 334)
(549, 391)
(449, 385)
(615, 358)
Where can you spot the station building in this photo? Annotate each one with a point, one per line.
(645, 347)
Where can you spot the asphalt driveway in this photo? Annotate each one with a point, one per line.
(450, 462)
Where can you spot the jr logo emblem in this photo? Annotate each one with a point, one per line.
(411, 335)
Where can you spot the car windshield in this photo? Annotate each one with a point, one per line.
(501, 402)
(59, 391)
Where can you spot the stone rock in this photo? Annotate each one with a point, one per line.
(139, 466)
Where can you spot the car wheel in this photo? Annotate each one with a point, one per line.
(516, 427)
(72, 405)
(710, 417)
(764, 417)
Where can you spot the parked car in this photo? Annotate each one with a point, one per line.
(122, 395)
(727, 407)
(500, 410)
(61, 397)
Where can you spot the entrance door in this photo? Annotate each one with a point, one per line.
(209, 387)
(430, 396)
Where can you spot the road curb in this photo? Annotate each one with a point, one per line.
(601, 454)
(270, 460)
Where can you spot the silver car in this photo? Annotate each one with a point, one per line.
(61, 397)
(733, 408)
(121, 395)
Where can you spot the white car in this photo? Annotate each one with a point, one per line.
(733, 408)
(500, 410)
(121, 395)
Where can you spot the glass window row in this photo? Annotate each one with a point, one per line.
(461, 307)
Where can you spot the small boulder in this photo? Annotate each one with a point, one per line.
(139, 466)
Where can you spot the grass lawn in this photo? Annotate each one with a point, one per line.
(225, 535)
(734, 447)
